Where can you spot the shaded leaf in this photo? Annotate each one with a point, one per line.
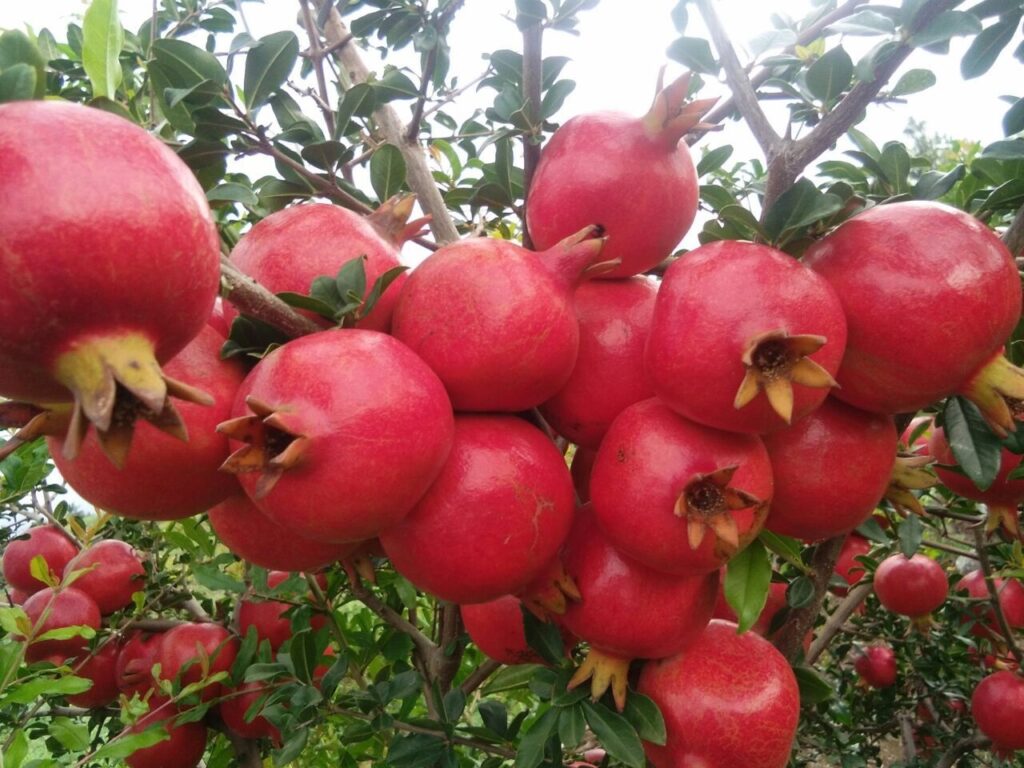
(694, 53)
(267, 66)
(830, 75)
(946, 25)
(543, 636)
(986, 47)
(387, 171)
(572, 726)
(645, 716)
(814, 688)
(533, 742)
(913, 81)
(18, 83)
(866, 22)
(616, 734)
(975, 447)
(932, 185)
(800, 205)
(911, 534)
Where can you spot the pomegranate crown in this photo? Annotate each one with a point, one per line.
(671, 116)
(391, 220)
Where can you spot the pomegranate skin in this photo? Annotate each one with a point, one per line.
(116, 574)
(179, 647)
(963, 285)
(997, 706)
(290, 248)
(911, 587)
(712, 306)
(268, 616)
(165, 478)
(847, 566)
(876, 666)
(728, 701)
(646, 461)
(234, 706)
(184, 748)
(1011, 600)
(133, 669)
(49, 541)
(377, 426)
(1003, 491)
(496, 628)
(831, 469)
(588, 174)
(70, 608)
(614, 318)
(503, 502)
(105, 230)
(100, 668)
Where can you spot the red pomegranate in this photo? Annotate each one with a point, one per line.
(496, 628)
(627, 610)
(848, 568)
(831, 469)
(268, 616)
(49, 541)
(1002, 497)
(912, 587)
(492, 520)
(115, 574)
(134, 667)
(101, 669)
(580, 469)
(1011, 601)
(290, 248)
(964, 288)
(614, 318)
(632, 177)
(679, 497)
(735, 318)
(112, 261)
(496, 321)
(998, 708)
(195, 651)
(876, 666)
(339, 452)
(728, 700)
(237, 702)
(164, 478)
(258, 539)
(184, 746)
(50, 609)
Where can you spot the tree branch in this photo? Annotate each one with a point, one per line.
(789, 640)
(1013, 237)
(316, 55)
(961, 748)
(251, 298)
(993, 593)
(533, 63)
(412, 132)
(391, 616)
(839, 617)
(479, 676)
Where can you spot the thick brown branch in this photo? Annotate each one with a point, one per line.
(839, 617)
(533, 62)
(254, 300)
(961, 748)
(789, 641)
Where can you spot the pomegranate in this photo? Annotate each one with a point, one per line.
(238, 701)
(876, 666)
(184, 746)
(195, 651)
(912, 587)
(50, 609)
(679, 497)
(831, 469)
(493, 519)
(260, 540)
(48, 541)
(627, 610)
(728, 700)
(496, 628)
(115, 574)
(339, 452)
(1011, 601)
(965, 289)
(134, 667)
(496, 321)
(101, 668)
(290, 248)
(614, 318)
(113, 263)
(998, 708)
(580, 469)
(735, 318)
(1002, 497)
(623, 174)
(268, 616)
(848, 568)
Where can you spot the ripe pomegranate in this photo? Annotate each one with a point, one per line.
(848, 567)
(831, 469)
(614, 318)
(965, 288)
(49, 541)
(496, 321)
(876, 666)
(101, 669)
(912, 587)
(183, 749)
(50, 609)
(496, 628)
(679, 497)
(623, 174)
(627, 610)
(1002, 497)
(733, 318)
(580, 469)
(113, 261)
(134, 667)
(116, 573)
(290, 248)
(238, 701)
(998, 708)
(164, 478)
(258, 539)
(1011, 601)
(728, 700)
(493, 519)
(195, 651)
(339, 452)
(268, 616)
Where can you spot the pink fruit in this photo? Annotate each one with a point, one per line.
(876, 666)
(964, 286)
(134, 667)
(101, 669)
(496, 628)
(112, 260)
(998, 708)
(831, 470)
(735, 318)
(49, 541)
(728, 700)
(184, 746)
(50, 609)
(496, 515)
(614, 318)
(236, 703)
(495, 321)
(195, 651)
(912, 587)
(1011, 601)
(343, 432)
(115, 574)
(848, 567)
(677, 496)
(631, 176)
(268, 616)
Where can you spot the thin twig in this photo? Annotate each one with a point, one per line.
(853, 600)
(533, 63)
(321, 601)
(993, 593)
(412, 132)
(479, 676)
(391, 616)
(316, 54)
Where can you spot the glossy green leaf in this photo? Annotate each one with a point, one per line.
(102, 39)
(185, 65)
(544, 637)
(415, 750)
(616, 734)
(40, 571)
(911, 534)
(267, 65)
(533, 742)
(814, 688)
(895, 164)
(830, 75)
(645, 716)
(747, 578)
(66, 633)
(511, 678)
(16, 752)
(800, 592)
(694, 53)
(932, 185)
(358, 101)
(387, 171)
(572, 726)
(714, 159)
(946, 25)
(554, 97)
(28, 692)
(233, 193)
(986, 47)
(72, 735)
(800, 205)
(975, 447)
(786, 547)
(913, 81)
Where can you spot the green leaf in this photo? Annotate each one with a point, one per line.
(358, 101)
(544, 637)
(572, 726)
(102, 40)
(387, 171)
(946, 25)
(911, 533)
(645, 716)
(124, 745)
(233, 193)
(830, 75)
(66, 633)
(495, 716)
(530, 13)
(18, 48)
(975, 447)
(251, 337)
(743, 220)
(453, 705)
(789, 549)
(814, 688)
(1013, 120)
(511, 678)
(13, 621)
(380, 285)
(16, 753)
(555, 97)
(713, 160)
(18, 83)
(28, 692)
(267, 65)
(694, 53)
(933, 184)
(532, 743)
(865, 22)
(800, 205)
(293, 747)
(73, 736)
(214, 577)
(186, 66)
(40, 570)
(1010, 149)
(895, 164)
(986, 47)
(415, 750)
(747, 578)
(800, 592)
(616, 734)
(913, 81)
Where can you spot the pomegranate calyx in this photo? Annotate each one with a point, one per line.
(671, 116)
(31, 421)
(774, 361)
(550, 595)
(604, 671)
(909, 473)
(997, 388)
(575, 258)
(706, 502)
(1004, 517)
(391, 220)
(271, 446)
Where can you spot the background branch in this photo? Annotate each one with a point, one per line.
(839, 617)
(789, 640)
(533, 62)
(252, 299)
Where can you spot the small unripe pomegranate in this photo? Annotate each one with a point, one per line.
(115, 574)
(997, 705)
(49, 541)
(876, 666)
(912, 587)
